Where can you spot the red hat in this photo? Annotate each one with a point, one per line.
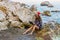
(38, 13)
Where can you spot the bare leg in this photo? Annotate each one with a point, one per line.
(28, 30)
(34, 29)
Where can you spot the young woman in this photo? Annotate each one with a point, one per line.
(36, 25)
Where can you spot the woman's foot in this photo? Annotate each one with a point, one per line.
(24, 33)
(28, 30)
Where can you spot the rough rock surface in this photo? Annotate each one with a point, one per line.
(14, 13)
(3, 25)
(2, 16)
(25, 15)
(46, 13)
(15, 34)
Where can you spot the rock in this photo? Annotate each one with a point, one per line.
(10, 6)
(46, 3)
(3, 8)
(3, 25)
(15, 13)
(11, 18)
(23, 5)
(25, 15)
(52, 25)
(50, 5)
(47, 37)
(55, 11)
(2, 16)
(3, 21)
(48, 33)
(15, 34)
(15, 24)
(33, 8)
(14, 20)
(47, 13)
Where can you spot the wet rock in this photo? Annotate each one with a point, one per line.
(46, 3)
(50, 5)
(47, 13)
(55, 11)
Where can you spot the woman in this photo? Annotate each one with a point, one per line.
(36, 25)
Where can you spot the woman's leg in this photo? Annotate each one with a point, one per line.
(28, 30)
(35, 27)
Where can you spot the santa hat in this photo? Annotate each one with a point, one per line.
(38, 13)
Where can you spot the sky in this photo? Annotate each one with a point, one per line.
(34, 1)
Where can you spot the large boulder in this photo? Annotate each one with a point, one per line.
(25, 15)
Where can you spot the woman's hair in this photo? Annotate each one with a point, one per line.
(37, 17)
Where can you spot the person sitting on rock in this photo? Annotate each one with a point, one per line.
(36, 25)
